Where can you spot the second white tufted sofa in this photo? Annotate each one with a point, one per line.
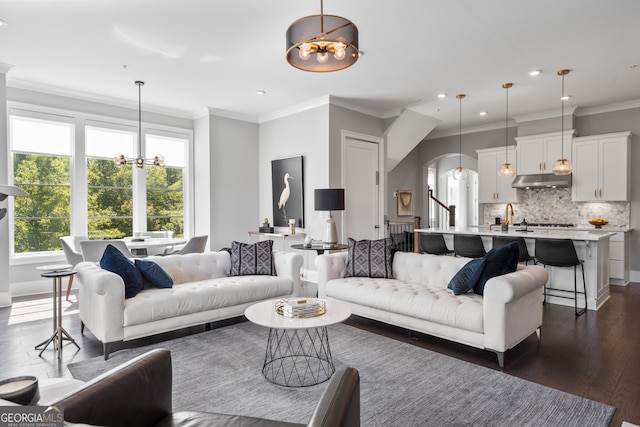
(202, 293)
(417, 298)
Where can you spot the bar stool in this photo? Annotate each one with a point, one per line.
(562, 253)
(434, 244)
(469, 246)
(524, 256)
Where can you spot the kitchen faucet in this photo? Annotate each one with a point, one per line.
(506, 213)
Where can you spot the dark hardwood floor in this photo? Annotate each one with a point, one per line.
(596, 355)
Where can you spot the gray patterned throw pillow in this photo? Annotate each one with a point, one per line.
(369, 258)
(250, 259)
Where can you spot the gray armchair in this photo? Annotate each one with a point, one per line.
(92, 250)
(107, 401)
(73, 254)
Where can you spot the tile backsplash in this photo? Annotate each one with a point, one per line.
(554, 205)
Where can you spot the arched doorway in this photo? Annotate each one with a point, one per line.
(438, 175)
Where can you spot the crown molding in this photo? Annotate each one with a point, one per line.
(523, 118)
(90, 97)
(618, 106)
(212, 111)
(4, 68)
(482, 128)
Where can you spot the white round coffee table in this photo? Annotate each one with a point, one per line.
(298, 352)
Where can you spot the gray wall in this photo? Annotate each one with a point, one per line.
(226, 173)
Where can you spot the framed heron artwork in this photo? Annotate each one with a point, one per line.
(287, 186)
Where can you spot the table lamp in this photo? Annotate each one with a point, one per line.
(329, 199)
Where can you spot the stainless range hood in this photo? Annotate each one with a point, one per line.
(545, 180)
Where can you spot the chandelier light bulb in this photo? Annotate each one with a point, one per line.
(305, 49)
(158, 161)
(119, 160)
(322, 57)
(340, 50)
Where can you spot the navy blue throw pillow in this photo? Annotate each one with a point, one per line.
(154, 274)
(498, 261)
(113, 260)
(467, 277)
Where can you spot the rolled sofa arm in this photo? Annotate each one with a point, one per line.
(136, 393)
(101, 301)
(329, 266)
(512, 307)
(339, 405)
(288, 264)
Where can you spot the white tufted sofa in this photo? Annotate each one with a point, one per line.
(202, 293)
(418, 299)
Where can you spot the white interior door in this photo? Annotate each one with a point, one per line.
(361, 183)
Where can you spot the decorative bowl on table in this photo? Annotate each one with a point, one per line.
(20, 390)
(598, 222)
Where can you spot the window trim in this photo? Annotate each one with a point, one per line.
(79, 121)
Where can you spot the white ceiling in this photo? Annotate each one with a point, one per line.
(195, 54)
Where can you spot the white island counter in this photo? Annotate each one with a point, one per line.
(591, 246)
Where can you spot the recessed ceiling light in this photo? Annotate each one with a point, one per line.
(124, 67)
(483, 113)
(535, 73)
(3, 23)
(442, 95)
(564, 98)
(261, 92)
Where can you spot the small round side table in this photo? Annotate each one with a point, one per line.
(59, 333)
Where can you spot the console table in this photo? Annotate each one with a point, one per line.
(283, 236)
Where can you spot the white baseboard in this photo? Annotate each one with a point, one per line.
(634, 276)
(5, 299)
(34, 287)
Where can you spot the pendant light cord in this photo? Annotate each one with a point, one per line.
(506, 129)
(562, 120)
(460, 132)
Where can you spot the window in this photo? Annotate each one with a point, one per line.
(41, 152)
(64, 161)
(165, 187)
(109, 188)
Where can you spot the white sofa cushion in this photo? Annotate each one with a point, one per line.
(433, 271)
(433, 303)
(193, 267)
(199, 296)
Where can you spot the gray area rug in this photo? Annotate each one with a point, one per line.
(401, 384)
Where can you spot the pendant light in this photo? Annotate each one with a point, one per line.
(562, 166)
(459, 173)
(120, 160)
(506, 169)
(322, 43)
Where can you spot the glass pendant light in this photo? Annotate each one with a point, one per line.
(562, 166)
(459, 173)
(506, 169)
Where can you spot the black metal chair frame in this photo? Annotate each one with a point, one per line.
(473, 240)
(523, 255)
(560, 293)
(438, 246)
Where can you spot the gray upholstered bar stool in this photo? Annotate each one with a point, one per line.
(524, 256)
(562, 253)
(434, 244)
(468, 245)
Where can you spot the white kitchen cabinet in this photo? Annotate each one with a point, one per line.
(492, 188)
(619, 259)
(537, 153)
(601, 168)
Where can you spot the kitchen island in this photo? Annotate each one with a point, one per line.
(592, 247)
